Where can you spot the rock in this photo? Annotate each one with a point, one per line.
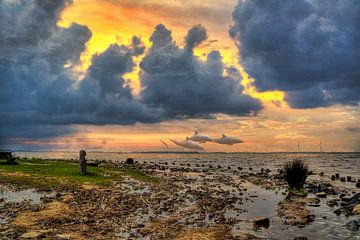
(332, 202)
(321, 194)
(130, 161)
(358, 184)
(356, 210)
(301, 238)
(337, 211)
(353, 225)
(32, 235)
(63, 236)
(262, 222)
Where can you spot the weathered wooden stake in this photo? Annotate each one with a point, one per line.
(82, 162)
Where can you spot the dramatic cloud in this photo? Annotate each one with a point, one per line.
(308, 48)
(38, 86)
(174, 80)
(42, 95)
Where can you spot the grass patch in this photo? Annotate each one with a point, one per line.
(136, 174)
(47, 174)
(295, 173)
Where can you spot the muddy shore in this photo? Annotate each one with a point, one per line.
(183, 202)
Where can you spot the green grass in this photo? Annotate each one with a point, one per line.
(47, 174)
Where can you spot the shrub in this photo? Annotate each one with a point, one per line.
(295, 173)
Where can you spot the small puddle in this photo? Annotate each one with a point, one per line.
(18, 196)
(10, 196)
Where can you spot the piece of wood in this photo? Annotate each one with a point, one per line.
(82, 162)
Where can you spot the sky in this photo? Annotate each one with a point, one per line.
(121, 75)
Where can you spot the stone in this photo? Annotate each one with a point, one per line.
(32, 235)
(332, 202)
(337, 211)
(353, 225)
(262, 222)
(356, 210)
(129, 161)
(63, 236)
(321, 194)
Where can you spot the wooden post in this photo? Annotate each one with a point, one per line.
(82, 162)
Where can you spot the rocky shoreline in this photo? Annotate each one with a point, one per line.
(184, 202)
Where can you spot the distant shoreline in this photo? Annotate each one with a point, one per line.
(187, 152)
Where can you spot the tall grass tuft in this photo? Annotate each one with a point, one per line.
(295, 173)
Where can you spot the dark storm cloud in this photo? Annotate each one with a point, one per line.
(38, 87)
(182, 85)
(311, 49)
(42, 96)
